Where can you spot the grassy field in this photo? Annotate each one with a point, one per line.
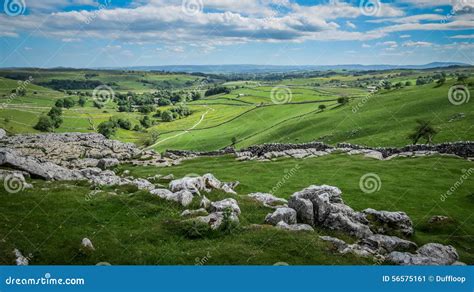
(128, 226)
(249, 115)
(133, 227)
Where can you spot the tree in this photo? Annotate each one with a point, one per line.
(59, 103)
(45, 124)
(195, 95)
(167, 116)
(21, 91)
(146, 122)
(150, 138)
(108, 129)
(342, 100)
(55, 115)
(69, 102)
(234, 140)
(124, 124)
(146, 109)
(82, 101)
(98, 104)
(322, 107)
(462, 78)
(423, 129)
(408, 83)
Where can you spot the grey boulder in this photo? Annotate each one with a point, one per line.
(285, 214)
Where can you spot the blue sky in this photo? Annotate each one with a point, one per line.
(120, 33)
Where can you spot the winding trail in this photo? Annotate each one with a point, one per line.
(185, 131)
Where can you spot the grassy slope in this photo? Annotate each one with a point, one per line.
(136, 228)
(384, 119)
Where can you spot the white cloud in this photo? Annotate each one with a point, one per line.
(405, 36)
(463, 36)
(164, 21)
(410, 19)
(417, 44)
(391, 44)
(351, 25)
(366, 46)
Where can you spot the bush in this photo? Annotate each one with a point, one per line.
(150, 138)
(322, 107)
(45, 124)
(82, 101)
(342, 100)
(98, 104)
(167, 116)
(67, 102)
(55, 115)
(164, 102)
(146, 109)
(124, 124)
(108, 129)
(146, 122)
(217, 90)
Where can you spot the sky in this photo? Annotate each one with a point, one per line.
(124, 33)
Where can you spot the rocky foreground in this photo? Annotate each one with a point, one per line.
(383, 235)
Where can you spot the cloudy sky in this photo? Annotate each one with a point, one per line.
(119, 33)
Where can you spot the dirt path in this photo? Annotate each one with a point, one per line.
(185, 131)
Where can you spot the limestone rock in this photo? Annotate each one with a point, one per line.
(106, 163)
(215, 220)
(20, 260)
(269, 200)
(386, 222)
(294, 227)
(428, 254)
(439, 219)
(221, 206)
(86, 244)
(323, 206)
(205, 203)
(385, 244)
(183, 197)
(287, 215)
(46, 170)
(192, 213)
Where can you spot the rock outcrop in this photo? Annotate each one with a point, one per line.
(196, 184)
(428, 254)
(80, 150)
(20, 259)
(286, 215)
(269, 200)
(220, 210)
(323, 206)
(386, 222)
